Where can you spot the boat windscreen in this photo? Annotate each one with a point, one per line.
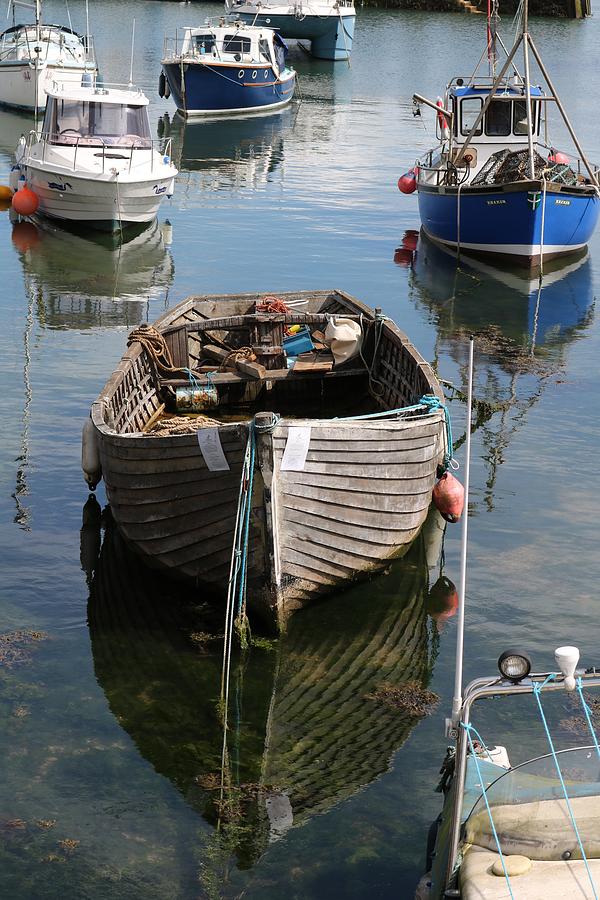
(530, 813)
(91, 124)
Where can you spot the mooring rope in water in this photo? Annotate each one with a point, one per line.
(537, 690)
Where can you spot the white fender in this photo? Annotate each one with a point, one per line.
(90, 455)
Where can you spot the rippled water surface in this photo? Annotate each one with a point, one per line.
(110, 735)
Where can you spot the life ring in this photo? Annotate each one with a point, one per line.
(442, 120)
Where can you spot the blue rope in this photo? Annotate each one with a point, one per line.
(537, 689)
(469, 728)
(246, 519)
(587, 712)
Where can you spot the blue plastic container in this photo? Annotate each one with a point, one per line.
(301, 342)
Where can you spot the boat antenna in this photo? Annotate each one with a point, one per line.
(460, 623)
(492, 35)
(132, 46)
(69, 15)
(87, 26)
(525, 38)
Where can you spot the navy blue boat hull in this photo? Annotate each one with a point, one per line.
(222, 89)
(508, 222)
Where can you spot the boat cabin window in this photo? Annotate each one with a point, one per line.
(94, 124)
(204, 43)
(469, 110)
(498, 118)
(235, 43)
(264, 50)
(520, 117)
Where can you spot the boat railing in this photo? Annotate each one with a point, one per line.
(29, 37)
(181, 48)
(106, 150)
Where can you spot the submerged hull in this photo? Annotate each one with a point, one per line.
(221, 89)
(359, 500)
(330, 36)
(515, 222)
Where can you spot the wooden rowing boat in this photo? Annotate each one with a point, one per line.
(358, 498)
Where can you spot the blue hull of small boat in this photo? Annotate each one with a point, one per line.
(330, 36)
(213, 89)
(509, 222)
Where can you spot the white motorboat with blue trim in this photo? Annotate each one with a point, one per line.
(328, 25)
(34, 56)
(225, 68)
(495, 184)
(94, 161)
(527, 831)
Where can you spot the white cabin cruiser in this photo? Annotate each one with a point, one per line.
(34, 56)
(94, 161)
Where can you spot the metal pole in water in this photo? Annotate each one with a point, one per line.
(460, 624)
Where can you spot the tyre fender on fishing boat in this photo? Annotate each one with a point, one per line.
(161, 84)
(90, 455)
(449, 497)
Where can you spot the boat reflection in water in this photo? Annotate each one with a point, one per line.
(83, 280)
(474, 295)
(303, 734)
(239, 154)
(522, 330)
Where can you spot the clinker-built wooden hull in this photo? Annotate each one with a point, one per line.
(359, 501)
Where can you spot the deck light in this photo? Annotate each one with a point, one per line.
(514, 665)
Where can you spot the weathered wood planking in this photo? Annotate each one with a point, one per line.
(360, 500)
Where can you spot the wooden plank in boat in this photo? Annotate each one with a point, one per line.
(225, 323)
(399, 487)
(332, 558)
(272, 375)
(389, 465)
(365, 547)
(314, 361)
(385, 535)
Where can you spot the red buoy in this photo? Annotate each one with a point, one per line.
(407, 183)
(449, 497)
(25, 202)
(557, 158)
(442, 601)
(25, 236)
(409, 240)
(403, 257)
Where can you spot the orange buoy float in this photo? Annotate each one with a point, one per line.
(449, 497)
(407, 183)
(25, 236)
(409, 240)
(441, 601)
(403, 257)
(25, 202)
(557, 158)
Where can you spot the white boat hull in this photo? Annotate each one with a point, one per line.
(105, 203)
(22, 85)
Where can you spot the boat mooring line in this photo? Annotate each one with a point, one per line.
(587, 711)
(537, 689)
(468, 729)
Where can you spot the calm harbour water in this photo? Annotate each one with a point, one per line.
(109, 725)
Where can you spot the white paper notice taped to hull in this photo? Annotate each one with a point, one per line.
(212, 450)
(296, 448)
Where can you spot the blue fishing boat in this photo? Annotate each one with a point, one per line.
(328, 25)
(226, 68)
(495, 184)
